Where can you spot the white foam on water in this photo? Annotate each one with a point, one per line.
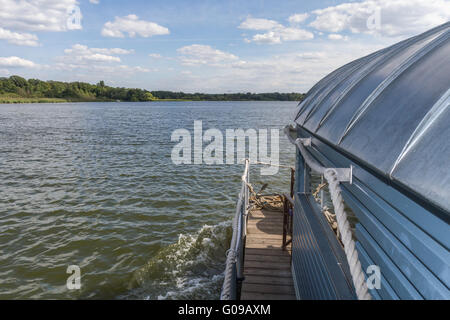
(191, 268)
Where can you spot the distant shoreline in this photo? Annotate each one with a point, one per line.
(16, 89)
(56, 101)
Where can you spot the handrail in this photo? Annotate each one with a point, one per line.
(234, 268)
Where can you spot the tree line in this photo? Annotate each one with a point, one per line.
(273, 96)
(18, 87)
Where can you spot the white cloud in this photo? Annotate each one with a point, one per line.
(198, 54)
(81, 54)
(298, 18)
(276, 33)
(259, 24)
(101, 69)
(94, 1)
(282, 34)
(289, 72)
(42, 15)
(16, 62)
(295, 34)
(21, 39)
(312, 55)
(96, 61)
(337, 36)
(28, 15)
(4, 72)
(397, 18)
(155, 55)
(268, 37)
(132, 26)
(111, 50)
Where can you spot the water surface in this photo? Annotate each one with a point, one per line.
(93, 185)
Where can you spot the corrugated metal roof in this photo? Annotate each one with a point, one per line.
(390, 111)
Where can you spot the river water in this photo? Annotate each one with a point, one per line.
(93, 185)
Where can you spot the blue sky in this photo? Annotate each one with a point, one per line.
(202, 45)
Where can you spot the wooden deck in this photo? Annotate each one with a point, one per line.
(267, 268)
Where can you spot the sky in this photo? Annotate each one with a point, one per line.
(202, 45)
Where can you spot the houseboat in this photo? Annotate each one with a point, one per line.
(377, 132)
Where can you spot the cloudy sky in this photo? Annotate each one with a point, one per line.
(202, 45)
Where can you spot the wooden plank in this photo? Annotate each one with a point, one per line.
(282, 273)
(267, 265)
(271, 231)
(268, 280)
(275, 242)
(263, 227)
(266, 258)
(266, 213)
(274, 246)
(260, 217)
(258, 245)
(265, 296)
(266, 252)
(278, 223)
(268, 288)
(276, 215)
(263, 236)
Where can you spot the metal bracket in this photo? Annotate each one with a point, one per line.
(345, 174)
(307, 142)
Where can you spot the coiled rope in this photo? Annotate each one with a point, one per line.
(330, 174)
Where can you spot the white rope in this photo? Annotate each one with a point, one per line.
(351, 253)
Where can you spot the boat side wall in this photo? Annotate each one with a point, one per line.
(402, 237)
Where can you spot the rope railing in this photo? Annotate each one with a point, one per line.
(334, 176)
(235, 255)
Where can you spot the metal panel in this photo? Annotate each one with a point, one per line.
(429, 158)
(388, 115)
(391, 232)
(417, 274)
(427, 250)
(320, 92)
(379, 139)
(385, 292)
(333, 128)
(355, 75)
(319, 264)
(432, 225)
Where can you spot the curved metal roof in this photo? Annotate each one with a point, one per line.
(390, 111)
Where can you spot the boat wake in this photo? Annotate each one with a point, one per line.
(191, 268)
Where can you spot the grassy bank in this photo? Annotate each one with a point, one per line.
(30, 100)
(14, 98)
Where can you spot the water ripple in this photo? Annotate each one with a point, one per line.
(93, 185)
